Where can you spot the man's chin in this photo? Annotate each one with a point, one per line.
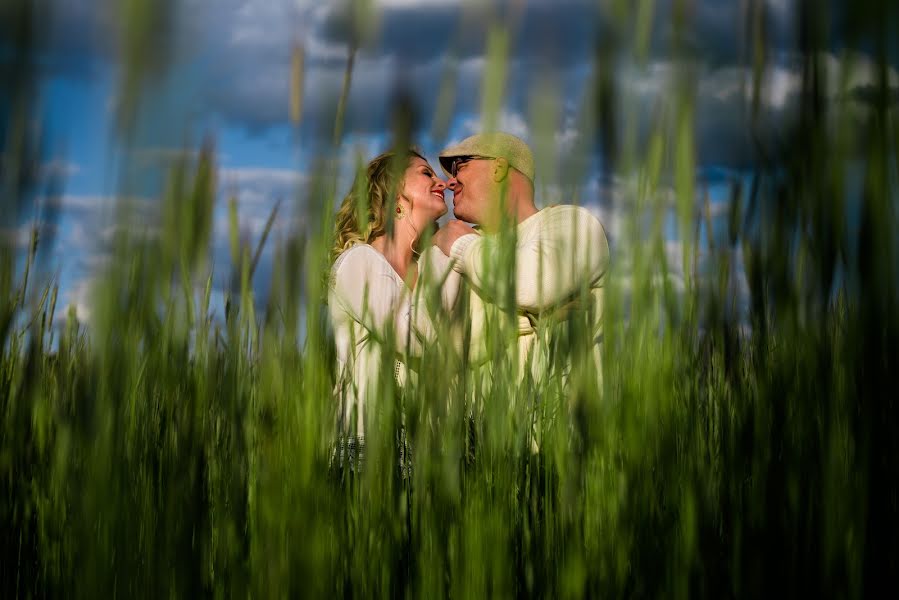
(461, 215)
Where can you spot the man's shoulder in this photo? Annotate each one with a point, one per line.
(566, 216)
(566, 211)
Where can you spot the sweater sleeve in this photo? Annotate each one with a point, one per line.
(367, 289)
(562, 251)
(436, 272)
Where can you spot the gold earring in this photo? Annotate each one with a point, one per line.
(400, 212)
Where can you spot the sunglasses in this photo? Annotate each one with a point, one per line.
(461, 160)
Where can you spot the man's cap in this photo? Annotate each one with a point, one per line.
(492, 145)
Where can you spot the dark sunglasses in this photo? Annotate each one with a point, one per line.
(461, 160)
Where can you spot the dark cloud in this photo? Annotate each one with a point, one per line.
(424, 52)
(244, 48)
(562, 31)
(721, 32)
(412, 52)
(79, 35)
(432, 55)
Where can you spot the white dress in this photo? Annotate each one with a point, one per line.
(376, 324)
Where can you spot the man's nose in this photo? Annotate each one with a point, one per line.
(452, 183)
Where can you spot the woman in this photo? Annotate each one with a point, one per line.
(374, 271)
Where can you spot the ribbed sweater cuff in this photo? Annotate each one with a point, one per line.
(457, 252)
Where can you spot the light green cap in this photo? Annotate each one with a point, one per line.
(492, 145)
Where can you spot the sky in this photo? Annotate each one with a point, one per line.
(224, 73)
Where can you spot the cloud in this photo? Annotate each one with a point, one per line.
(86, 233)
(17, 237)
(509, 121)
(81, 203)
(263, 175)
(242, 51)
(246, 48)
(83, 227)
(416, 48)
(77, 295)
(59, 168)
(257, 191)
(728, 130)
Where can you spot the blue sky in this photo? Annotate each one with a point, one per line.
(228, 73)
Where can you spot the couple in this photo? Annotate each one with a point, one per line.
(560, 260)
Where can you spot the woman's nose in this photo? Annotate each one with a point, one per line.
(441, 184)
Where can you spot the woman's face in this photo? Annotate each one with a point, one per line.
(422, 192)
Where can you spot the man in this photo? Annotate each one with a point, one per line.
(560, 253)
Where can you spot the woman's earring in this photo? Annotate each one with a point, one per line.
(400, 212)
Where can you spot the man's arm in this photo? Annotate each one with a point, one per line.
(568, 250)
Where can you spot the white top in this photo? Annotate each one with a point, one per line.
(372, 310)
(558, 251)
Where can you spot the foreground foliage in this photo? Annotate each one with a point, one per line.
(728, 452)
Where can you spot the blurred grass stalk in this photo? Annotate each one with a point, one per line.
(164, 452)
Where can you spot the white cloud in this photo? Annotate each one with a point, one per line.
(17, 237)
(79, 296)
(656, 83)
(417, 4)
(719, 209)
(59, 168)
(272, 176)
(509, 121)
(257, 192)
(783, 85)
(83, 202)
(567, 138)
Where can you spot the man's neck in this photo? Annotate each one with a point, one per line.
(517, 210)
(524, 210)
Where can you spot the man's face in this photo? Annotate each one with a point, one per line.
(473, 189)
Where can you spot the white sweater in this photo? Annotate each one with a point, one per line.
(371, 306)
(558, 250)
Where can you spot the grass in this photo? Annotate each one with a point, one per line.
(164, 452)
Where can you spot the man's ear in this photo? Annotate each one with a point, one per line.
(500, 169)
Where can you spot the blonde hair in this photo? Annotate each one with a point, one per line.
(363, 215)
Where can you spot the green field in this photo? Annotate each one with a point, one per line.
(731, 450)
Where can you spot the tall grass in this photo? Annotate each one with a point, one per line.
(164, 452)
